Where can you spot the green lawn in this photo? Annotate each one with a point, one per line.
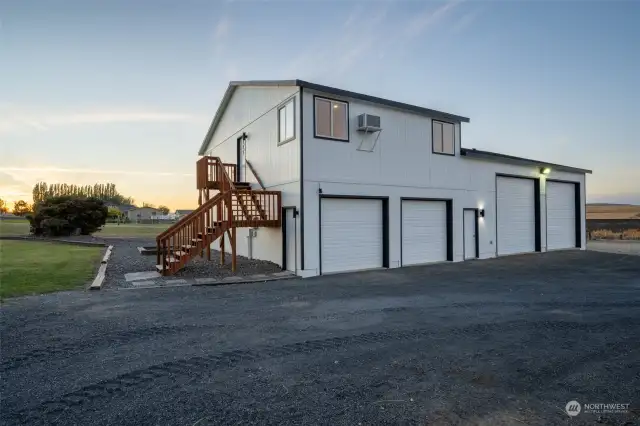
(14, 227)
(40, 267)
(21, 227)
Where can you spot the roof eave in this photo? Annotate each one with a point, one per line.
(387, 102)
(504, 158)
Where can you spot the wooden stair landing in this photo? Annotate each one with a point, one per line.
(236, 207)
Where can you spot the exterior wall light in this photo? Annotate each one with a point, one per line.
(545, 170)
(481, 212)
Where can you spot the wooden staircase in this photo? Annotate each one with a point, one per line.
(236, 205)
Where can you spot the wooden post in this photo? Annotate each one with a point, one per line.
(233, 249)
(222, 249)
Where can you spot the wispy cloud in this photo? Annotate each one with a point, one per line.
(363, 34)
(464, 22)
(91, 171)
(220, 33)
(222, 28)
(14, 121)
(12, 189)
(428, 18)
(335, 55)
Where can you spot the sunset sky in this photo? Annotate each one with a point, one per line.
(123, 91)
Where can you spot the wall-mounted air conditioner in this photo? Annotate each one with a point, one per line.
(369, 123)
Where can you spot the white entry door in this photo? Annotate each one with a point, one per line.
(290, 240)
(516, 215)
(561, 215)
(470, 234)
(424, 232)
(351, 234)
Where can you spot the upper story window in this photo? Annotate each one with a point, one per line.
(443, 137)
(286, 122)
(332, 119)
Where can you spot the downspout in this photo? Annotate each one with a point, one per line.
(250, 243)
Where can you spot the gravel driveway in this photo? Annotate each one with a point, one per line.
(126, 258)
(496, 342)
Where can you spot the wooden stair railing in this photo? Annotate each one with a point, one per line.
(236, 205)
(189, 236)
(253, 197)
(226, 211)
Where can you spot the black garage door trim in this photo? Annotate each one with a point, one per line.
(536, 207)
(385, 224)
(578, 205)
(449, 208)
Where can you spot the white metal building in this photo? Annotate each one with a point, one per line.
(372, 183)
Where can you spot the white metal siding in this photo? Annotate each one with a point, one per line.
(516, 215)
(561, 215)
(351, 234)
(424, 232)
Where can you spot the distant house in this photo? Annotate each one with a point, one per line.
(180, 213)
(142, 214)
(123, 208)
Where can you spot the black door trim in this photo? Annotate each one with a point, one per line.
(577, 207)
(536, 208)
(449, 209)
(477, 226)
(385, 224)
(238, 154)
(301, 209)
(284, 236)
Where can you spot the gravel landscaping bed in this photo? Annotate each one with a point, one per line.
(126, 258)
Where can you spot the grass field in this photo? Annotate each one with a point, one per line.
(40, 267)
(613, 211)
(21, 227)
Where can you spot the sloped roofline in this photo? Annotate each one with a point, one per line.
(320, 88)
(504, 158)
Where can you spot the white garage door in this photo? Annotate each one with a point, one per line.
(516, 215)
(424, 232)
(561, 215)
(351, 234)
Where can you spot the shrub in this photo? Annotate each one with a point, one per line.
(65, 215)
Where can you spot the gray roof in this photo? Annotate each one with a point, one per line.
(184, 211)
(504, 158)
(325, 89)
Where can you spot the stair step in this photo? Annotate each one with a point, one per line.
(180, 253)
(196, 240)
(171, 259)
(187, 247)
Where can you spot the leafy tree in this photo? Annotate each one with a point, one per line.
(3, 206)
(148, 205)
(114, 213)
(63, 215)
(105, 192)
(163, 209)
(21, 208)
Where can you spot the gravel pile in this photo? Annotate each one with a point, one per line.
(202, 268)
(126, 258)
